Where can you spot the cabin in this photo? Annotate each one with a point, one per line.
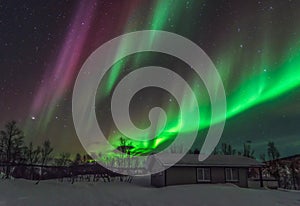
(214, 169)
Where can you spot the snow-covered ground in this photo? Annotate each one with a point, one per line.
(52, 192)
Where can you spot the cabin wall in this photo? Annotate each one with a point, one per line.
(217, 175)
(158, 179)
(181, 175)
(188, 175)
(243, 177)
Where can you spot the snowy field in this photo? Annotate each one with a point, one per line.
(52, 192)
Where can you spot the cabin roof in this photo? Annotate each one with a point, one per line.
(288, 158)
(212, 160)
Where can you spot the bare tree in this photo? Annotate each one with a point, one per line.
(11, 142)
(63, 159)
(216, 151)
(227, 149)
(125, 149)
(45, 152)
(262, 157)
(77, 159)
(2, 150)
(45, 155)
(32, 156)
(273, 152)
(248, 151)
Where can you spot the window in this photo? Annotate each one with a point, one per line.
(232, 174)
(203, 174)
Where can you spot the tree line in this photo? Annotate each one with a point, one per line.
(247, 151)
(14, 152)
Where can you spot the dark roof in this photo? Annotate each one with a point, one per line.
(288, 158)
(213, 160)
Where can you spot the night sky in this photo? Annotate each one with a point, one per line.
(255, 46)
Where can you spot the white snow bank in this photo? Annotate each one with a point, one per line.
(22, 192)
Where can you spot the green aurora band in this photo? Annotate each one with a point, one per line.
(261, 80)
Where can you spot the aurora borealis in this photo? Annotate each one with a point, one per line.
(255, 46)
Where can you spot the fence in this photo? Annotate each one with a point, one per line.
(83, 172)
